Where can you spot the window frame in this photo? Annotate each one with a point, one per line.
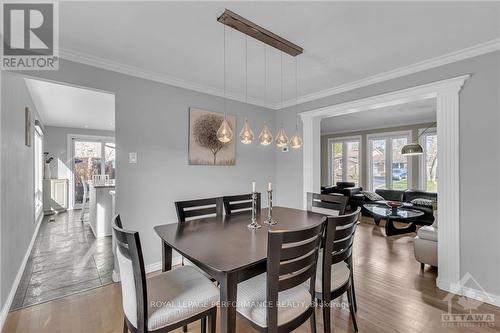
(38, 171)
(388, 136)
(423, 159)
(344, 141)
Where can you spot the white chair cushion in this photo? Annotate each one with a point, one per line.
(428, 232)
(340, 274)
(252, 301)
(189, 263)
(178, 294)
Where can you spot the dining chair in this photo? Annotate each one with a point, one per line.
(100, 179)
(278, 300)
(193, 209)
(335, 271)
(85, 200)
(239, 203)
(163, 302)
(326, 203)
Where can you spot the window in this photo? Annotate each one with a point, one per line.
(388, 168)
(91, 156)
(344, 160)
(428, 176)
(39, 165)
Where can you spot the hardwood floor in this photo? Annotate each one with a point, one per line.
(393, 296)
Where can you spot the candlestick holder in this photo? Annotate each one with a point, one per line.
(270, 220)
(254, 224)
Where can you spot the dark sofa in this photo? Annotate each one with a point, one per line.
(405, 196)
(348, 189)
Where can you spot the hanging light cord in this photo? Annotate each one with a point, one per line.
(224, 72)
(425, 130)
(296, 95)
(246, 69)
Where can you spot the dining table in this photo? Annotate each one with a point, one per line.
(227, 250)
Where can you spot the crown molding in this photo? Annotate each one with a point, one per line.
(121, 68)
(470, 52)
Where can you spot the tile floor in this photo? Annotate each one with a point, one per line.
(66, 258)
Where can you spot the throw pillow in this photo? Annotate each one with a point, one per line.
(422, 202)
(372, 196)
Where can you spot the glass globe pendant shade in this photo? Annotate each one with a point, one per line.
(265, 137)
(224, 133)
(296, 141)
(412, 149)
(281, 138)
(246, 134)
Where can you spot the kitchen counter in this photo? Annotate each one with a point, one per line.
(100, 208)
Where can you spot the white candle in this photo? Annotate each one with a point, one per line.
(253, 187)
(269, 186)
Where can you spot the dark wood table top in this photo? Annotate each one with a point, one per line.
(225, 244)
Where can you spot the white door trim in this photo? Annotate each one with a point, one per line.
(447, 94)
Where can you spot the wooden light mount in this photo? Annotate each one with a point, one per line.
(251, 29)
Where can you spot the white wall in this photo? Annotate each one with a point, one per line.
(56, 144)
(479, 158)
(17, 172)
(152, 120)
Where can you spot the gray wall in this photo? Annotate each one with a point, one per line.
(479, 157)
(56, 143)
(152, 120)
(17, 170)
(415, 165)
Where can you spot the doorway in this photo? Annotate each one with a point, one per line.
(90, 155)
(446, 93)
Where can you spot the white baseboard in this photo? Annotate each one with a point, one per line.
(156, 266)
(8, 302)
(473, 293)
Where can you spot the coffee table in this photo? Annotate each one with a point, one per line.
(404, 214)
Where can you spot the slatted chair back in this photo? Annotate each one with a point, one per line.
(338, 242)
(193, 209)
(132, 275)
(292, 258)
(100, 179)
(239, 203)
(326, 203)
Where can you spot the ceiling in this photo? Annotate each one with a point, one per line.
(182, 43)
(67, 106)
(418, 112)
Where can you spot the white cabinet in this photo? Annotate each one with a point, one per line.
(55, 195)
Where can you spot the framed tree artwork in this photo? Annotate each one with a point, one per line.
(204, 147)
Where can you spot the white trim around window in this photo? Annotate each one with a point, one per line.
(343, 140)
(388, 136)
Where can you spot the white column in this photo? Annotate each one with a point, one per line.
(311, 156)
(448, 189)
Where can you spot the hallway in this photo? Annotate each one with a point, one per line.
(66, 258)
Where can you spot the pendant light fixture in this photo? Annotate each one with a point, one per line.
(281, 137)
(225, 133)
(265, 137)
(296, 140)
(246, 134)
